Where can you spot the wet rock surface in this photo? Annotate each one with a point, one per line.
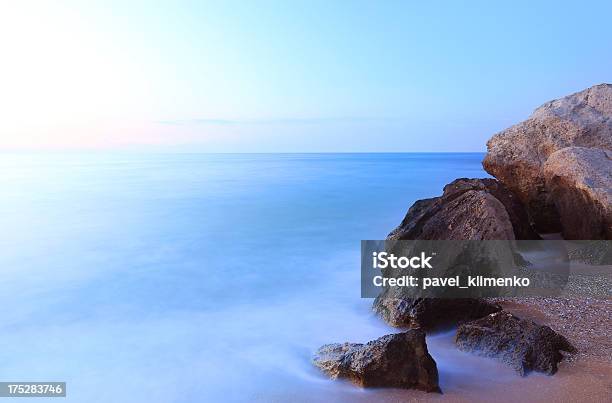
(398, 360)
(469, 209)
(584, 321)
(523, 344)
(432, 313)
(516, 155)
(579, 181)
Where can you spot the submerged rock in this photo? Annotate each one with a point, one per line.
(579, 181)
(469, 209)
(522, 344)
(516, 155)
(396, 360)
(432, 313)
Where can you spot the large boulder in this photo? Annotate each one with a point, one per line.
(522, 344)
(579, 180)
(398, 360)
(516, 155)
(469, 209)
(432, 313)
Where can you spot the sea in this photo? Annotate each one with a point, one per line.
(141, 277)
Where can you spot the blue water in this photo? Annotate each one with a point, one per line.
(192, 277)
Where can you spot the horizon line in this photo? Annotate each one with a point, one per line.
(59, 151)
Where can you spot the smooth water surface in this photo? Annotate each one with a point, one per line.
(193, 277)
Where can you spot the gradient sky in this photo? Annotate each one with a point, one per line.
(302, 76)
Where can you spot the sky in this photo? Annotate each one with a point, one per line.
(288, 76)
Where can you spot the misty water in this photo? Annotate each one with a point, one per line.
(193, 277)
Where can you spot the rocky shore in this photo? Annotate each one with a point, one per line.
(553, 174)
(560, 157)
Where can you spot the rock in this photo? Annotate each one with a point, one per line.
(522, 344)
(432, 313)
(417, 215)
(579, 181)
(516, 155)
(396, 360)
(471, 209)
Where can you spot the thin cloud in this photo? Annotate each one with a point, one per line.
(275, 121)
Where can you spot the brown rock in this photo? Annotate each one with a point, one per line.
(516, 155)
(522, 344)
(398, 360)
(579, 180)
(432, 313)
(469, 209)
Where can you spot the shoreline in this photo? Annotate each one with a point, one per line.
(584, 375)
(547, 168)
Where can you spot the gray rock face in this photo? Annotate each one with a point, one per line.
(580, 182)
(522, 344)
(469, 209)
(432, 313)
(396, 360)
(516, 155)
